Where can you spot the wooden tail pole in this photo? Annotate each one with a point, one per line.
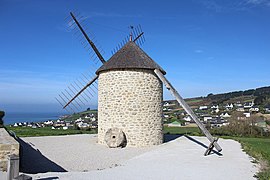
(187, 109)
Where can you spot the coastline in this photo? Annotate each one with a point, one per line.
(17, 117)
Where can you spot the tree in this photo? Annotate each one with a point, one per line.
(249, 92)
(259, 100)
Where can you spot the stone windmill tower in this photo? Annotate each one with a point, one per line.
(130, 98)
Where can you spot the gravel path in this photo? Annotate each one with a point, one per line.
(73, 153)
(181, 158)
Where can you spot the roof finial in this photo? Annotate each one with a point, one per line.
(130, 35)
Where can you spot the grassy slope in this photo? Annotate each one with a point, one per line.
(78, 115)
(199, 101)
(46, 131)
(182, 130)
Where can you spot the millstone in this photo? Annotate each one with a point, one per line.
(115, 137)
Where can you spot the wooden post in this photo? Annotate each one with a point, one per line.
(13, 167)
(210, 147)
(187, 108)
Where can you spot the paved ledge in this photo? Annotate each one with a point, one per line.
(8, 146)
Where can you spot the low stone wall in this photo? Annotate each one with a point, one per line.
(8, 146)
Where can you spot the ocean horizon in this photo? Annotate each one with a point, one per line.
(16, 117)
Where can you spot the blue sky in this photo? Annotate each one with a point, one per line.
(205, 46)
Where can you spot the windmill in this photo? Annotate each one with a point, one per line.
(130, 96)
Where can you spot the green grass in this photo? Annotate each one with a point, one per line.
(78, 115)
(194, 100)
(46, 131)
(182, 130)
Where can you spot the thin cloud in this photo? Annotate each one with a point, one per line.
(29, 81)
(259, 2)
(79, 18)
(210, 58)
(113, 15)
(255, 1)
(25, 86)
(221, 7)
(230, 6)
(166, 17)
(70, 24)
(198, 51)
(213, 5)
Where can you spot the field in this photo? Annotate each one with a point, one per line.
(182, 130)
(46, 131)
(78, 115)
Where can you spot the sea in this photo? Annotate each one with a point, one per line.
(16, 117)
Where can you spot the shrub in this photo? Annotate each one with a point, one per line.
(2, 114)
(240, 129)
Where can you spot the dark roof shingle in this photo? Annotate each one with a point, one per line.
(130, 56)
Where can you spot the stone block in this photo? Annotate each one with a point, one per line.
(8, 146)
(5, 147)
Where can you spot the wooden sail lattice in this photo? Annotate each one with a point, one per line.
(82, 89)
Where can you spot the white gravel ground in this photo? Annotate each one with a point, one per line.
(181, 158)
(78, 152)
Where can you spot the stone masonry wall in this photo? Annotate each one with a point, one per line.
(8, 146)
(131, 100)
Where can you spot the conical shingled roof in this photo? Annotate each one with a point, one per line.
(130, 56)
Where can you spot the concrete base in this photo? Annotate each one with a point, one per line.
(179, 158)
(8, 146)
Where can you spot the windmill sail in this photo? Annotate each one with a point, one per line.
(79, 90)
(88, 39)
(136, 35)
(87, 85)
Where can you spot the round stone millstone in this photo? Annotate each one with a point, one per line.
(115, 137)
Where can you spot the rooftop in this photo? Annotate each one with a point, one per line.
(130, 56)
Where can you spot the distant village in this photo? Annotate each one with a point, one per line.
(214, 116)
(80, 121)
